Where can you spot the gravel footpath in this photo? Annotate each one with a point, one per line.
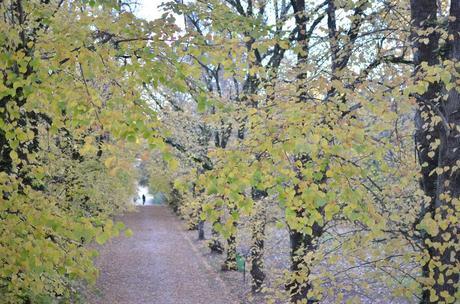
(159, 264)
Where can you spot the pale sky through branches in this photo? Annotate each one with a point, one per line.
(148, 9)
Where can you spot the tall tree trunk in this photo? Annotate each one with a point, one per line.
(201, 230)
(258, 238)
(301, 244)
(230, 259)
(15, 154)
(438, 120)
(303, 41)
(214, 244)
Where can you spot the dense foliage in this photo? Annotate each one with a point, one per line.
(311, 106)
(330, 128)
(71, 120)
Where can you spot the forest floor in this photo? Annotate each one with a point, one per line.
(159, 264)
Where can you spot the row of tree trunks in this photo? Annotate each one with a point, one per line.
(300, 242)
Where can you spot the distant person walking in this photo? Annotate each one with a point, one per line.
(143, 199)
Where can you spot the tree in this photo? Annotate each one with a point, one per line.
(436, 47)
(71, 114)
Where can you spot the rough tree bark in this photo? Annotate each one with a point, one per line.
(214, 244)
(258, 237)
(230, 259)
(201, 230)
(300, 242)
(438, 119)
